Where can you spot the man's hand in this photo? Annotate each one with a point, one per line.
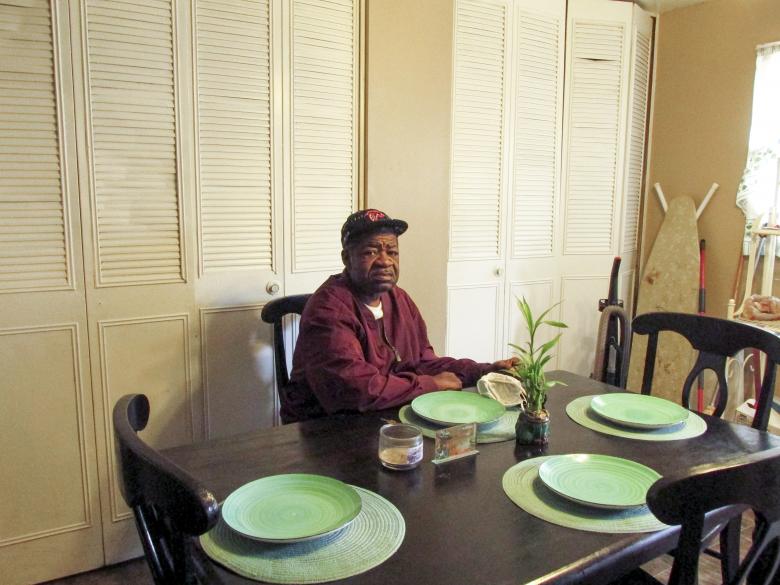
(447, 381)
(505, 364)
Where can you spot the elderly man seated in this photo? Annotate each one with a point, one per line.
(363, 344)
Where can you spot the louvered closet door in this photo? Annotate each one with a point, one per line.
(634, 176)
(50, 521)
(234, 104)
(322, 78)
(479, 178)
(239, 219)
(535, 220)
(595, 126)
(137, 202)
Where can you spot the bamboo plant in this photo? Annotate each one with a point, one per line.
(532, 358)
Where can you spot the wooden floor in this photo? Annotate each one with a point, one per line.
(137, 573)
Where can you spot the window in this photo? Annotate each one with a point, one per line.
(759, 189)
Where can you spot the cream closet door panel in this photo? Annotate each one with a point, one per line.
(51, 523)
(536, 218)
(126, 367)
(579, 311)
(478, 181)
(597, 85)
(538, 113)
(48, 473)
(471, 314)
(137, 221)
(323, 108)
(143, 319)
(239, 214)
(239, 206)
(635, 142)
(595, 130)
(638, 103)
(482, 31)
(238, 373)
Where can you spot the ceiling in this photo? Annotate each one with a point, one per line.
(659, 6)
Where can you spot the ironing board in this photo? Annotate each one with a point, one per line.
(670, 282)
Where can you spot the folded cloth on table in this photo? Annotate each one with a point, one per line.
(505, 389)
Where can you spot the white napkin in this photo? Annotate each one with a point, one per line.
(502, 388)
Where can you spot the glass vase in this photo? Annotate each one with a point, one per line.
(533, 428)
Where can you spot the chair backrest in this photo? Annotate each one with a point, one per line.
(613, 347)
(170, 507)
(274, 312)
(685, 497)
(715, 339)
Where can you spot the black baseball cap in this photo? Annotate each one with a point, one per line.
(369, 220)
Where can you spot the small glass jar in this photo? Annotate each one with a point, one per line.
(400, 446)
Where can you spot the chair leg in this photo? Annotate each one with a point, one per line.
(767, 561)
(729, 549)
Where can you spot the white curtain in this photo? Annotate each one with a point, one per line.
(759, 185)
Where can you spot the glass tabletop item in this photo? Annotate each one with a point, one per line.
(400, 446)
(598, 480)
(453, 408)
(639, 411)
(291, 507)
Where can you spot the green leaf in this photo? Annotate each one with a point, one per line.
(525, 309)
(544, 313)
(522, 353)
(550, 344)
(556, 324)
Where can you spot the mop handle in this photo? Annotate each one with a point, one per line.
(702, 295)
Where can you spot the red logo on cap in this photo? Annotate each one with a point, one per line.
(374, 215)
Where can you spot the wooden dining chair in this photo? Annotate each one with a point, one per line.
(170, 507)
(715, 340)
(274, 312)
(685, 497)
(613, 347)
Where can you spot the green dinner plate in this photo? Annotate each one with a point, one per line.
(454, 408)
(291, 508)
(638, 411)
(598, 480)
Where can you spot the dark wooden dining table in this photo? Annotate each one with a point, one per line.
(461, 528)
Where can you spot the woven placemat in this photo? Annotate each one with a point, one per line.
(580, 412)
(369, 540)
(522, 484)
(501, 430)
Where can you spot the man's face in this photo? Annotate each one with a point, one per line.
(372, 262)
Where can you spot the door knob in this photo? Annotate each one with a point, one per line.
(498, 271)
(272, 287)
